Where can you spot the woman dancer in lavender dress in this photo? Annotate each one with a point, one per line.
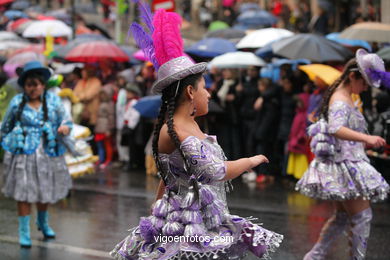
(190, 219)
(341, 170)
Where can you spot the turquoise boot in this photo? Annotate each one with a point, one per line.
(24, 231)
(43, 224)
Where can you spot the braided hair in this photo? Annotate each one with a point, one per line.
(171, 97)
(351, 66)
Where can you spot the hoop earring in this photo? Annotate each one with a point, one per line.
(194, 110)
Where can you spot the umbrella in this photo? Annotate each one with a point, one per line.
(262, 37)
(19, 60)
(368, 31)
(348, 42)
(98, 29)
(10, 45)
(62, 51)
(21, 27)
(313, 47)
(325, 72)
(60, 14)
(5, 2)
(68, 68)
(37, 48)
(228, 34)
(9, 36)
(249, 6)
(15, 14)
(140, 55)
(20, 5)
(15, 24)
(96, 51)
(149, 106)
(384, 53)
(217, 25)
(211, 47)
(256, 18)
(237, 59)
(55, 28)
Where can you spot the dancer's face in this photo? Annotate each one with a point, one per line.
(358, 84)
(33, 88)
(201, 98)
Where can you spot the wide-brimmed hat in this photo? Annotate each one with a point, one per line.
(174, 70)
(132, 87)
(367, 61)
(33, 67)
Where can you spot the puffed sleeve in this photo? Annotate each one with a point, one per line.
(62, 116)
(9, 117)
(338, 115)
(205, 161)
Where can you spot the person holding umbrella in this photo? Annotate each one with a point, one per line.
(341, 171)
(191, 199)
(35, 168)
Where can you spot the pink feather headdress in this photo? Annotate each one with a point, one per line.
(163, 45)
(161, 41)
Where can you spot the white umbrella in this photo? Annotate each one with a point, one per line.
(10, 45)
(54, 28)
(238, 59)
(9, 36)
(368, 31)
(262, 37)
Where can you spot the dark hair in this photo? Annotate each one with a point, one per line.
(170, 98)
(34, 76)
(351, 66)
(3, 78)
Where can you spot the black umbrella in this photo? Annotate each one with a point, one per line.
(313, 47)
(95, 27)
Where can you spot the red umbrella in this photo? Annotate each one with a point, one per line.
(14, 25)
(37, 48)
(4, 2)
(96, 51)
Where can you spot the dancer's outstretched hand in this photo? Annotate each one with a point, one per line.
(258, 159)
(375, 141)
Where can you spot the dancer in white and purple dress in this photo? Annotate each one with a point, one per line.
(191, 211)
(341, 171)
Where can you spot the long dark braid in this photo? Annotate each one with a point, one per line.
(156, 136)
(351, 66)
(170, 98)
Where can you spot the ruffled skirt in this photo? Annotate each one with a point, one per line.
(232, 240)
(35, 178)
(345, 180)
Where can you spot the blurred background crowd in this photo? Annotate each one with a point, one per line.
(270, 63)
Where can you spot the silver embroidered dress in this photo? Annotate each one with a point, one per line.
(178, 214)
(347, 172)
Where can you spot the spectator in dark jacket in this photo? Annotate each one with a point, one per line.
(266, 124)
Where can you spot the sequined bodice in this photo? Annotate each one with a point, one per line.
(342, 114)
(206, 161)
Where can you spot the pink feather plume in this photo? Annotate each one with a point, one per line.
(167, 40)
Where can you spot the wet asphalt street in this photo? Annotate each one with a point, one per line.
(103, 206)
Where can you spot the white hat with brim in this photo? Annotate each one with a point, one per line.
(368, 61)
(174, 70)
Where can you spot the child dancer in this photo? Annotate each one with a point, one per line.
(35, 168)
